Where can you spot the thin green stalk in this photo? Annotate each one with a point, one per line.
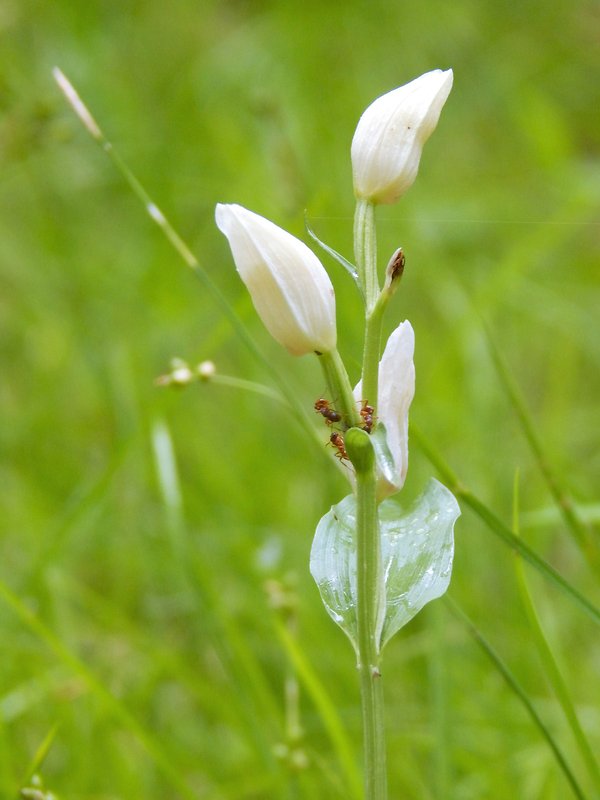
(370, 597)
(187, 256)
(371, 351)
(549, 662)
(250, 386)
(521, 694)
(161, 758)
(40, 754)
(438, 676)
(375, 300)
(365, 251)
(339, 387)
(193, 569)
(326, 709)
(370, 589)
(499, 528)
(577, 526)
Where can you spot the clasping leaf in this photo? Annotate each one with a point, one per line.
(417, 547)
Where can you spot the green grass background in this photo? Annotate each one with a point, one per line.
(138, 622)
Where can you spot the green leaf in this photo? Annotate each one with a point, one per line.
(333, 564)
(417, 547)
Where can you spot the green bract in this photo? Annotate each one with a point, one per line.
(417, 547)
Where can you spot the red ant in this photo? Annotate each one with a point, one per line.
(331, 415)
(366, 412)
(337, 440)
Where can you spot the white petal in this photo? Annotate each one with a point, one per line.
(389, 138)
(290, 288)
(396, 386)
(396, 391)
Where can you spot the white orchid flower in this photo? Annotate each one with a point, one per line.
(396, 385)
(289, 286)
(389, 138)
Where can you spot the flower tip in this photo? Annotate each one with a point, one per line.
(224, 213)
(386, 148)
(446, 81)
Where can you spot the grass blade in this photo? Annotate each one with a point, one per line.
(179, 245)
(564, 502)
(153, 748)
(501, 530)
(40, 754)
(548, 661)
(199, 577)
(521, 694)
(325, 707)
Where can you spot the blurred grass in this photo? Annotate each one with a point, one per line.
(256, 102)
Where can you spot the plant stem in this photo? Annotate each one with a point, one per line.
(370, 608)
(370, 587)
(371, 351)
(365, 251)
(338, 384)
(369, 591)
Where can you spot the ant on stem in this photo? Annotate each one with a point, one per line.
(337, 440)
(366, 412)
(330, 414)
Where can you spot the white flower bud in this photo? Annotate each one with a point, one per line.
(289, 286)
(206, 370)
(389, 138)
(396, 386)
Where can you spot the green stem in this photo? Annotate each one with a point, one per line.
(249, 386)
(371, 351)
(370, 588)
(365, 251)
(370, 599)
(338, 384)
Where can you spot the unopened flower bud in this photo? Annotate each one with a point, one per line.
(360, 450)
(389, 138)
(206, 370)
(290, 288)
(394, 271)
(180, 374)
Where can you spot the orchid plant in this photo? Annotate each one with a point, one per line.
(376, 563)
